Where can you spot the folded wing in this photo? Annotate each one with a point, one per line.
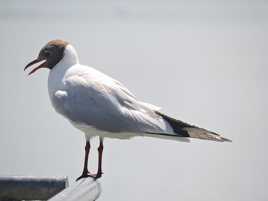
(99, 101)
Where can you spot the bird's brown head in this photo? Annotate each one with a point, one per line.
(49, 55)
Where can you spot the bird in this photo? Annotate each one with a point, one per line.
(103, 107)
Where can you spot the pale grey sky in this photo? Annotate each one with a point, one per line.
(205, 63)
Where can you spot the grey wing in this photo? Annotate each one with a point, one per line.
(109, 107)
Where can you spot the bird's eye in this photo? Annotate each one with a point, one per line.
(47, 53)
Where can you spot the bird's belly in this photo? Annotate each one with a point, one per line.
(91, 131)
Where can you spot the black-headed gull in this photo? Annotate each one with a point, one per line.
(101, 106)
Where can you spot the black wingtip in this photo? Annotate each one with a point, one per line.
(183, 129)
(226, 139)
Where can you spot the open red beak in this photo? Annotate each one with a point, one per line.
(38, 60)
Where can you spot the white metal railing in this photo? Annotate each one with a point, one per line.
(18, 188)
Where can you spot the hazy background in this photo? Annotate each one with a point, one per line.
(204, 62)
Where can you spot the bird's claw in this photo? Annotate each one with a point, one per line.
(94, 176)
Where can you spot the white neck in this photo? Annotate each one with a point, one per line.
(70, 57)
(56, 74)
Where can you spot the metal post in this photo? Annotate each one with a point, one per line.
(30, 188)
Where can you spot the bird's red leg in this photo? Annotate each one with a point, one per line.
(85, 172)
(100, 150)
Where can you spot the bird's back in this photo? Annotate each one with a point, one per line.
(89, 98)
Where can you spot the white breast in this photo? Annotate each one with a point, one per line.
(56, 85)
